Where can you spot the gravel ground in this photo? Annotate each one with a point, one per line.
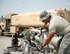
(5, 41)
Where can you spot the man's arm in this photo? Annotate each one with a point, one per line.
(48, 39)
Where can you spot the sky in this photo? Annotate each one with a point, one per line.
(22, 6)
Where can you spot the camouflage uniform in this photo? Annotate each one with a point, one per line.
(65, 44)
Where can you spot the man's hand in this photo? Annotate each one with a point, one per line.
(39, 48)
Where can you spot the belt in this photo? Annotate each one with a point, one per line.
(67, 32)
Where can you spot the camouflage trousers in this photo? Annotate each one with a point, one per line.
(65, 45)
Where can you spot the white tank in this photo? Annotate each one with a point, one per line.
(55, 40)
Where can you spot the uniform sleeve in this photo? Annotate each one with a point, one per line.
(52, 27)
